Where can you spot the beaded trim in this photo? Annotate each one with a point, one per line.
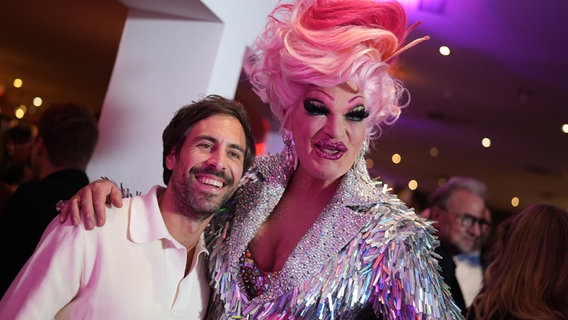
(256, 281)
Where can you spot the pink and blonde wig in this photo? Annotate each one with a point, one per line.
(325, 43)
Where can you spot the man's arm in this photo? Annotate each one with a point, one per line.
(88, 204)
(51, 277)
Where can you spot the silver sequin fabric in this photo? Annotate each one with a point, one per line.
(367, 256)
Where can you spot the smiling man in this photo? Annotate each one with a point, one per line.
(148, 261)
(462, 220)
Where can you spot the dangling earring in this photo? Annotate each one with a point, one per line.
(290, 146)
(360, 165)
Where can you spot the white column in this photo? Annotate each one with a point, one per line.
(171, 52)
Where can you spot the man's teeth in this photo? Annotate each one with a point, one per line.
(212, 182)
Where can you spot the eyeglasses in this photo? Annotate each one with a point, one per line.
(467, 221)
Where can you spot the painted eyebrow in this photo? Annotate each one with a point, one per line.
(354, 98)
(333, 99)
(323, 92)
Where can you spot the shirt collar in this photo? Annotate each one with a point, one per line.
(147, 223)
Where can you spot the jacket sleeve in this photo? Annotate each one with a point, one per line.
(406, 273)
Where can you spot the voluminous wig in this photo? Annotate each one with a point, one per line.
(325, 43)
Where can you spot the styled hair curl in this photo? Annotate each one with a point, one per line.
(325, 43)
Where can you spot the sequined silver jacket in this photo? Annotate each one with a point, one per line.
(366, 254)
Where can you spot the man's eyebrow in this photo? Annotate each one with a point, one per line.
(214, 140)
(205, 137)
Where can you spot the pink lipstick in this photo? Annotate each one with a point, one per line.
(330, 150)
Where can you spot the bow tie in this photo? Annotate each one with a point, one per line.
(469, 258)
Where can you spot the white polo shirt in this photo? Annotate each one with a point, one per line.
(131, 268)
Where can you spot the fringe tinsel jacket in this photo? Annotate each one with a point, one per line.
(366, 253)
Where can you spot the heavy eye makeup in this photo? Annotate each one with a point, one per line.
(317, 108)
(357, 114)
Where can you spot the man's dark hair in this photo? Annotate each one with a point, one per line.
(185, 118)
(69, 132)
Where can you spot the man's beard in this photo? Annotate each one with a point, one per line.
(196, 204)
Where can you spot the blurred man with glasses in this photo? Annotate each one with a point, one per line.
(463, 222)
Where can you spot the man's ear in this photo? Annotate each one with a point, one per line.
(171, 160)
